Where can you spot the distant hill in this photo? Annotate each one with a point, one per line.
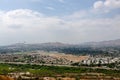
(49, 44)
(109, 43)
(18, 47)
(92, 48)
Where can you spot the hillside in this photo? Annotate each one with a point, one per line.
(109, 43)
(92, 48)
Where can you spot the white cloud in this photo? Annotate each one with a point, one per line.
(98, 4)
(50, 8)
(107, 5)
(31, 26)
(78, 14)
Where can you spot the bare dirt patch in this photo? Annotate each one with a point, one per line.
(5, 78)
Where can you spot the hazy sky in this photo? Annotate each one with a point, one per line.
(68, 21)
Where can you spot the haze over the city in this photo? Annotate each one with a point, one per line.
(68, 21)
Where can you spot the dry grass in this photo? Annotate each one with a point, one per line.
(5, 78)
(70, 57)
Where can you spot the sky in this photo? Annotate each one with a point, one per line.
(66, 21)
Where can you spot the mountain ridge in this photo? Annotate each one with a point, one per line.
(106, 43)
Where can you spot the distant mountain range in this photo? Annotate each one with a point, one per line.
(110, 43)
(85, 48)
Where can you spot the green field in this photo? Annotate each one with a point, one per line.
(53, 70)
